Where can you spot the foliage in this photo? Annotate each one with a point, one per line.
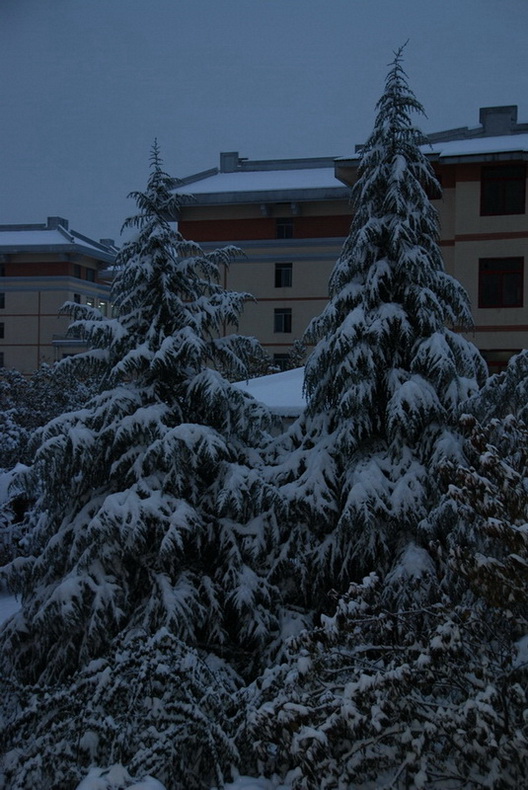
(151, 704)
(26, 403)
(408, 699)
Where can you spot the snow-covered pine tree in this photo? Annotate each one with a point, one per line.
(387, 376)
(136, 528)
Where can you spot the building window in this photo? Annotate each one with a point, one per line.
(90, 301)
(2, 359)
(281, 361)
(503, 190)
(283, 275)
(77, 270)
(284, 228)
(2, 300)
(501, 282)
(77, 298)
(2, 270)
(90, 275)
(2, 331)
(282, 320)
(102, 307)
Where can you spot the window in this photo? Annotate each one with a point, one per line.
(282, 320)
(102, 306)
(2, 300)
(77, 298)
(2, 364)
(2, 331)
(90, 275)
(284, 228)
(502, 190)
(283, 275)
(90, 301)
(501, 282)
(77, 270)
(281, 361)
(2, 270)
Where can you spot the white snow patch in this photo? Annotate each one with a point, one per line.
(8, 606)
(281, 392)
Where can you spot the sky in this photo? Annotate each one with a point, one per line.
(87, 85)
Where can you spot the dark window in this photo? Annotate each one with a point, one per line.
(501, 282)
(2, 331)
(90, 275)
(281, 361)
(502, 190)
(2, 300)
(283, 320)
(283, 275)
(2, 270)
(77, 298)
(284, 228)
(1, 359)
(77, 270)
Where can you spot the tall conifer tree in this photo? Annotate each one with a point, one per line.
(388, 373)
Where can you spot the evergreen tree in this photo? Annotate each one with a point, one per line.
(387, 376)
(141, 497)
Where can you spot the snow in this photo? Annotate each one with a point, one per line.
(480, 145)
(8, 606)
(265, 181)
(281, 392)
(44, 238)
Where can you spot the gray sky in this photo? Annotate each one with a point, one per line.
(88, 84)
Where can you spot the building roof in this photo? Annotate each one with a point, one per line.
(281, 392)
(53, 237)
(498, 138)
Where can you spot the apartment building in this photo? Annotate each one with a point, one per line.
(41, 267)
(291, 217)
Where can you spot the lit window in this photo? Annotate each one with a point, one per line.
(90, 301)
(501, 282)
(503, 190)
(284, 228)
(283, 275)
(282, 319)
(102, 307)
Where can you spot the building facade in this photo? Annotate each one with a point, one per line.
(42, 267)
(290, 217)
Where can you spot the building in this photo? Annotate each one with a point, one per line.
(41, 267)
(291, 217)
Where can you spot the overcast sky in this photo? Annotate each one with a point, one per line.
(86, 85)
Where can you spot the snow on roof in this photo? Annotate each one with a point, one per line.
(480, 145)
(281, 392)
(52, 238)
(264, 181)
